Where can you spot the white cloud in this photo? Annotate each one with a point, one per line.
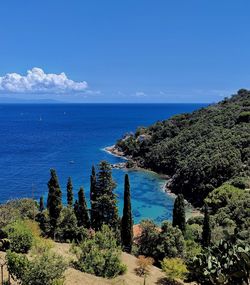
(140, 94)
(37, 81)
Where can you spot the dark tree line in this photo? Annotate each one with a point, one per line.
(103, 204)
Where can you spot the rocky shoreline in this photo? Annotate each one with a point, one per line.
(131, 164)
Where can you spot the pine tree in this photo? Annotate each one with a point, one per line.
(70, 195)
(179, 217)
(105, 206)
(82, 212)
(54, 202)
(41, 204)
(206, 229)
(127, 221)
(93, 196)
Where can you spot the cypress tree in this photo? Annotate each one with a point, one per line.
(206, 229)
(70, 195)
(82, 212)
(106, 210)
(93, 196)
(54, 202)
(76, 205)
(179, 216)
(127, 221)
(41, 204)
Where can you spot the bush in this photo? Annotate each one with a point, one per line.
(193, 232)
(46, 269)
(192, 249)
(224, 263)
(100, 255)
(17, 209)
(174, 268)
(158, 243)
(20, 236)
(144, 264)
(67, 229)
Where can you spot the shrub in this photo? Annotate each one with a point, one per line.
(46, 269)
(143, 265)
(174, 268)
(17, 209)
(20, 236)
(222, 264)
(158, 243)
(192, 249)
(67, 229)
(193, 232)
(100, 255)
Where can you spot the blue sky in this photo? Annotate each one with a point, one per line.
(124, 51)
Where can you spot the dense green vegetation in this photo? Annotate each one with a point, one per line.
(200, 150)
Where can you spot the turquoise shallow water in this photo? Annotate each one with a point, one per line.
(35, 138)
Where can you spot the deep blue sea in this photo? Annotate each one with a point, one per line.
(37, 137)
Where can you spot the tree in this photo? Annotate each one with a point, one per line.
(100, 254)
(179, 218)
(105, 206)
(206, 229)
(93, 196)
(127, 220)
(67, 229)
(54, 202)
(70, 195)
(41, 204)
(82, 210)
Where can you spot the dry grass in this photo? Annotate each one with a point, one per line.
(75, 277)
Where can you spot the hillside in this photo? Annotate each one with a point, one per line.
(199, 151)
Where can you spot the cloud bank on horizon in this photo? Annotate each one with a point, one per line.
(37, 81)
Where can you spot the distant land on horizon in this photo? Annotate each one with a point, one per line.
(9, 100)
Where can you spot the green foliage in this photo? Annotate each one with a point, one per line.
(230, 212)
(54, 202)
(20, 236)
(222, 196)
(201, 150)
(193, 232)
(158, 243)
(206, 229)
(41, 204)
(127, 220)
(44, 222)
(192, 249)
(179, 217)
(82, 210)
(105, 203)
(67, 229)
(17, 209)
(171, 242)
(70, 195)
(222, 264)
(174, 268)
(148, 239)
(45, 269)
(93, 196)
(100, 255)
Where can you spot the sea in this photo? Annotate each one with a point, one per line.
(71, 138)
